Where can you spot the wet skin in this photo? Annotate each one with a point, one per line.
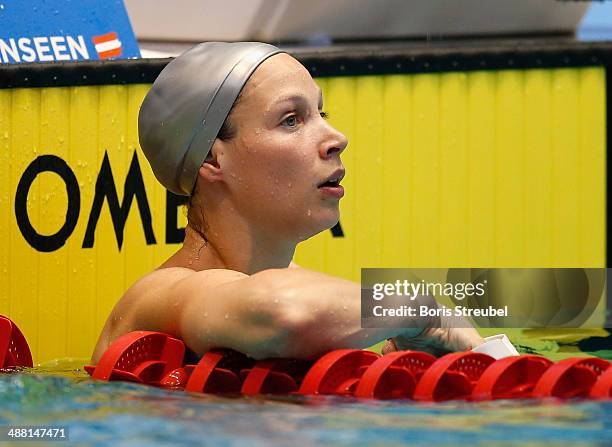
(257, 196)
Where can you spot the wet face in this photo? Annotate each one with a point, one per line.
(282, 168)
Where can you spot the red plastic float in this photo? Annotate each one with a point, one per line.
(140, 356)
(218, 372)
(14, 349)
(603, 387)
(452, 376)
(510, 378)
(176, 379)
(337, 372)
(394, 376)
(573, 377)
(274, 376)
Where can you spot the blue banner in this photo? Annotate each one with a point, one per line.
(65, 30)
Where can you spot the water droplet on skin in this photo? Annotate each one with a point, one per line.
(275, 301)
(309, 213)
(205, 314)
(344, 307)
(289, 185)
(226, 316)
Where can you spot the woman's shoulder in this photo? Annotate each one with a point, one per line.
(168, 277)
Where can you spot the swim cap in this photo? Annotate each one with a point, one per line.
(183, 112)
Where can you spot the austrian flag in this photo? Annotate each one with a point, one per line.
(107, 45)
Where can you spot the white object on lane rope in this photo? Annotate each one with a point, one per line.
(497, 346)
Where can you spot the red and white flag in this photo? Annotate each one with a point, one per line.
(107, 45)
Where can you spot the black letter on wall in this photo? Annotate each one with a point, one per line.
(105, 187)
(337, 230)
(174, 235)
(50, 163)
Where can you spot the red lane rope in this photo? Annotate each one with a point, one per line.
(14, 349)
(157, 359)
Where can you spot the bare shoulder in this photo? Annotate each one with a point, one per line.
(164, 280)
(151, 300)
(155, 301)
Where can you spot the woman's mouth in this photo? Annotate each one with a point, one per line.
(334, 191)
(332, 185)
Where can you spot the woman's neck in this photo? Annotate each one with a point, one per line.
(243, 251)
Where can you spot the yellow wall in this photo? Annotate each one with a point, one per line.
(491, 169)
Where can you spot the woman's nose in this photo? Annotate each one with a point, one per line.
(334, 144)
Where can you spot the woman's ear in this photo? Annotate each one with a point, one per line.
(211, 168)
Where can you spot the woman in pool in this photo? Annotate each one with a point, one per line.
(240, 128)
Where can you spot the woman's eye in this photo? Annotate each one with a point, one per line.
(290, 121)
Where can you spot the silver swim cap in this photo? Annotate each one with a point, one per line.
(183, 112)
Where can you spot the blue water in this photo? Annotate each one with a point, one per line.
(112, 414)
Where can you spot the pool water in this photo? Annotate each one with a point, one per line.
(101, 414)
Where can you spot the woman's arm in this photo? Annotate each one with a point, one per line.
(290, 312)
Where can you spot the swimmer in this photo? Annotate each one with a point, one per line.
(240, 129)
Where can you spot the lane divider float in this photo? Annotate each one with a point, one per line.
(472, 376)
(14, 349)
(157, 359)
